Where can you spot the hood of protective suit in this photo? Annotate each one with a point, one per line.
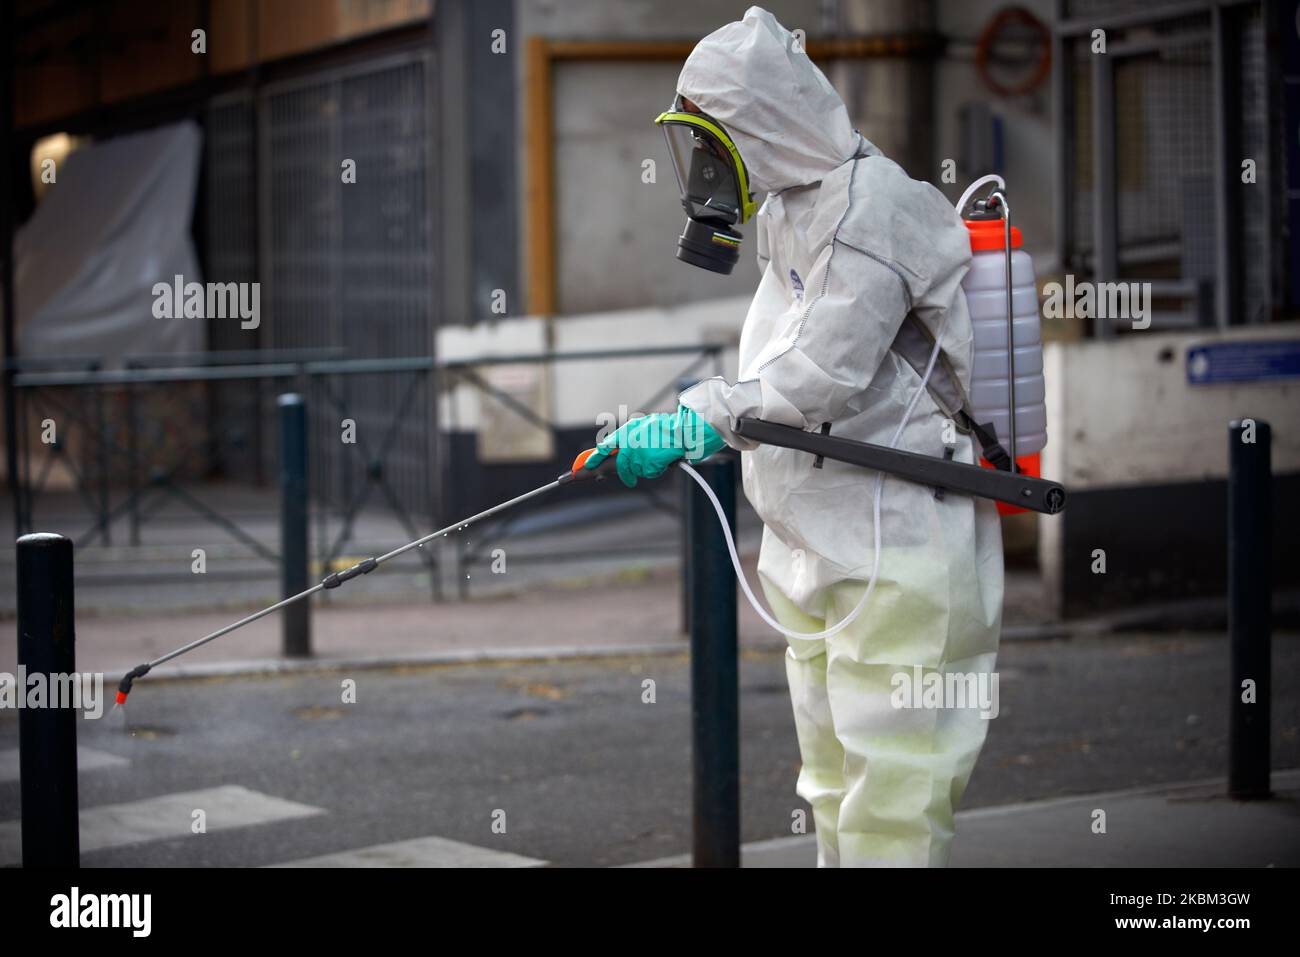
(789, 124)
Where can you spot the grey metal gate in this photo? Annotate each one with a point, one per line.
(1152, 133)
(352, 264)
(237, 409)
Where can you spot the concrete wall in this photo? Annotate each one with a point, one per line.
(1120, 412)
(1143, 456)
(581, 391)
(617, 236)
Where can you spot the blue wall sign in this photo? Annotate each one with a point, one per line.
(1243, 361)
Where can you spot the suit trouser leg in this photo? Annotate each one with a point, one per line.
(908, 694)
(821, 778)
(884, 781)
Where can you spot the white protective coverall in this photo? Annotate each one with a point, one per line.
(848, 244)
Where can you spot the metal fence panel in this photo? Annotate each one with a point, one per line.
(230, 249)
(351, 264)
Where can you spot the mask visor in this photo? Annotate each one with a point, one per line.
(706, 174)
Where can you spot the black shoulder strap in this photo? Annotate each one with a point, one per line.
(991, 448)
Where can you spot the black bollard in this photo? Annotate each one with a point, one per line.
(715, 695)
(47, 737)
(1250, 553)
(296, 640)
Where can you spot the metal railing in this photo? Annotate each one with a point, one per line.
(125, 464)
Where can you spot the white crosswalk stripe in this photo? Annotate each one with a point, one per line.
(233, 806)
(88, 759)
(418, 852)
(169, 816)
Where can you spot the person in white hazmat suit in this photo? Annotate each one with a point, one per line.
(849, 246)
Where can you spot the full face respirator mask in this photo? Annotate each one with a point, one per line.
(714, 185)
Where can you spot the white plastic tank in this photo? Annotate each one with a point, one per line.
(985, 288)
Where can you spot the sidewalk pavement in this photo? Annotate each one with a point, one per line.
(1175, 825)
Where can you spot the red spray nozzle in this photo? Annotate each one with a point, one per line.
(124, 688)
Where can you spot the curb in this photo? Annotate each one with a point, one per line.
(295, 666)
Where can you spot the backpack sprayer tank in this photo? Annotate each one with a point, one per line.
(1007, 362)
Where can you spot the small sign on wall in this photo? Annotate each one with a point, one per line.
(1243, 361)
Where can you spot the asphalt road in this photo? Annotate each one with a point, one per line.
(588, 774)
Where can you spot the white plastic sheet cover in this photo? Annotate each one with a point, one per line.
(116, 222)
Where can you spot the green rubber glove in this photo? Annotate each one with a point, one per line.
(648, 445)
